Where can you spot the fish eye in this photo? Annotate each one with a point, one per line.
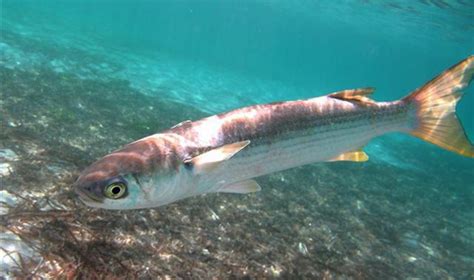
(115, 190)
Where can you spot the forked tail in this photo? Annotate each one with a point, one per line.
(435, 106)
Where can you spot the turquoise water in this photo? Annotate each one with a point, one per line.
(81, 78)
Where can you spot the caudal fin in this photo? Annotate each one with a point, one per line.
(435, 106)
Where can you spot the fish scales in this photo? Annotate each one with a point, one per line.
(289, 134)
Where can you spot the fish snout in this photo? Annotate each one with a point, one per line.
(88, 191)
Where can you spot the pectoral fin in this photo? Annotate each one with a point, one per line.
(209, 160)
(357, 156)
(243, 187)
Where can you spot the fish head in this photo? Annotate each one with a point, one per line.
(141, 175)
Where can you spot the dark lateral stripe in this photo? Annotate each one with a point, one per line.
(273, 120)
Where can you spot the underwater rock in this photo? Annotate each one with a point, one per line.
(302, 248)
(7, 200)
(58, 66)
(5, 169)
(411, 239)
(13, 253)
(6, 156)
(13, 124)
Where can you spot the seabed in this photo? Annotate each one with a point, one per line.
(406, 213)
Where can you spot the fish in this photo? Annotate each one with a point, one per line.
(226, 152)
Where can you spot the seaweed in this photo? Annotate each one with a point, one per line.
(325, 221)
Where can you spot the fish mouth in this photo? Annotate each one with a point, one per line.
(86, 197)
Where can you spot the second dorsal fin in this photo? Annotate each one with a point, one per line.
(360, 95)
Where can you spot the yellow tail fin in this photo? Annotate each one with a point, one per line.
(435, 105)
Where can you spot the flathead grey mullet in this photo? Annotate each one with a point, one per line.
(223, 153)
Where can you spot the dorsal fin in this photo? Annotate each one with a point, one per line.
(181, 124)
(360, 95)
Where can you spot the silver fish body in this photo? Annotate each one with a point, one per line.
(223, 153)
(291, 134)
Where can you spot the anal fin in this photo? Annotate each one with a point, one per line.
(356, 156)
(243, 187)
